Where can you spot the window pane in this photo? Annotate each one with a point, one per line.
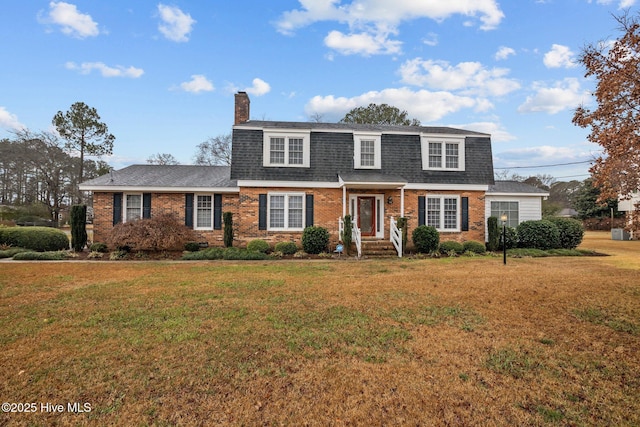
(134, 207)
(276, 212)
(204, 209)
(295, 211)
(277, 151)
(433, 212)
(509, 208)
(367, 153)
(452, 156)
(295, 151)
(435, 155)
(450, 213)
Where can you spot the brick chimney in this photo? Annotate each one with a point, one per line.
(242, 108)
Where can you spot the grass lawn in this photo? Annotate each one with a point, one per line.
(452, 341)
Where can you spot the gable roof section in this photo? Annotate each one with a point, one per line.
(178, 178)
(515, 188)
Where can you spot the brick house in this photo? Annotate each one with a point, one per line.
(285, 176)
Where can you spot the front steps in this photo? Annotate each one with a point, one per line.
(378, 248)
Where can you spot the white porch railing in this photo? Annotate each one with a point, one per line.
(356, 235)
(395, 235)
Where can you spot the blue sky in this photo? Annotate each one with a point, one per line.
(162, 74)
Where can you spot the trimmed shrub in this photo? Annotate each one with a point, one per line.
(228, 229)
(451, 247)
(99, 247)
(78, 222)
(425, 239)
(207, 254)
(164, 232)
(35, 238)
(494, 232)
(541, 234)
(403, 226)
(192, 246)
(9, 253)
(347, 233)
(474, 246)
(258, 245)
(41, 256)
(511, 238)
(315, 240)
(287, 248)
(240, 254)
(571, 232)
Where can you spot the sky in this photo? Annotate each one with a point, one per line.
(162, 75)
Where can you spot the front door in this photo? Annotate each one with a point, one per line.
(367, 215)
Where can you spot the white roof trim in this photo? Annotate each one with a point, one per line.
(290, 184)
(456, 187)
(512, 194)
(355, 131)
(130, 188)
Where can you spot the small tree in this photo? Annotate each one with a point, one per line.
(78, 227)
(494, 234)
(228, 229)
(347, 233)
(315, 239)
(402, 225)
(425, 238)
(379, 114)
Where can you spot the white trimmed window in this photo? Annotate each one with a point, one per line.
(367, 151)
(443, 212)
(286, 149)
(132, 207)
(203, 212)
(505, 207)
(285, 211)
(443, 154)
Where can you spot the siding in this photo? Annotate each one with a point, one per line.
(529, 207)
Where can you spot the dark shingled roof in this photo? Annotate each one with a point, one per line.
(515, 187)
(178, 176)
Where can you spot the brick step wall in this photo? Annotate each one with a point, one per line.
(378, 248)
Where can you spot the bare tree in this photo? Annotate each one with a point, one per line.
(162, 159)
(215, 151)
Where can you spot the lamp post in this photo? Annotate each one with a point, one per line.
(504, 218)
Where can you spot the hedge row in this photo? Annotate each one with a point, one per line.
(39, 239)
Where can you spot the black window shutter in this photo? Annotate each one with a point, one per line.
(188, 209)
(262, 211)
(146, 205)
(422, 201)
(465, 214)
(309, 210)
(117, 208)
(217, 211)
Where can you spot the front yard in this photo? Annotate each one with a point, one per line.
(451, 341)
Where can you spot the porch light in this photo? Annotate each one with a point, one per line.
(390, 200)
(504, 218)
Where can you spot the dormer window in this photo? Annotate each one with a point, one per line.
(367, 151)
(286, 149)
(442, 153)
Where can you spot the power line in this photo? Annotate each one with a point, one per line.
(547, 166)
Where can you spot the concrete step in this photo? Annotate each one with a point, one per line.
(378, 248)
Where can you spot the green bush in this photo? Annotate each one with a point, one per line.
(78, 227)
(258, 245)
(35, 238)
(511, 238)
(493, 229)
(450, 247)
(315, 240)
(474, 246)
(41, 256)
(541, 234)
(9, 253)
(192, 246)
(347, 233)
(228, 229)
(425, 239)
(571, 232)
(99, 247)
(206, 254)
(287, 248)
(245, 255)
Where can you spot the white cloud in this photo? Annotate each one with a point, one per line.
(559, 57)
(495, 129)
(197, 84)
(73, 23)
(563, 95)
(10, 121)
(623, 4)
(424, 105)
(365, 44)
(176, 25)
(259, 88)
(504, 52)
(470, 78)
(542, 154)
(105, 70)
(431, 40)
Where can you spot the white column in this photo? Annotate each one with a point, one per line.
(402, 202)
(344, 201)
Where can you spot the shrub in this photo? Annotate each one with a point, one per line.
(511, 238)
(425, 239)
(287, 248)
(493, 229)
(403, 225)
(571, 232)
(163, 232)
(35, 238)
(192, 246)
(228, 229)
(541, 234)
(99, 247)
(207, 254)
(9, 253)
(239, 254)
(258, 245)
(474, 247)
(315, 240)
(41, 256)
(347, 233)
(451, 247)
(78, 227)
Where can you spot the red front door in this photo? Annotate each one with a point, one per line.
(367, 215)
